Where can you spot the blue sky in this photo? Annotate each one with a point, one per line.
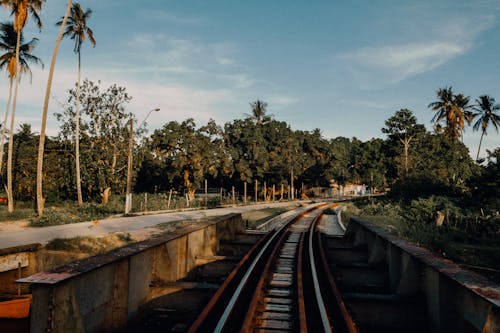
(341, 66)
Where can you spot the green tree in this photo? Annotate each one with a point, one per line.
(341, 164)
(486, 187)
(315, 159)
(440, 166)
(245, 142)
(39, 170)
(452, 110)
(486, 112)
(24, 166)
(187, 153)
(104, 137)
(77, 29)
(372, 160)
(403, 127)
(8, 40)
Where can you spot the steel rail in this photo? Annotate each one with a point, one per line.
(314, 274)
(247, 323)
(244, 292)
(198, 325)
(236, 295)
(350, 325)
(300, 287)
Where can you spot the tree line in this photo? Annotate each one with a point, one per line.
(256, 148)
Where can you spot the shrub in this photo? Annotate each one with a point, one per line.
(52, 216)
(425, 210)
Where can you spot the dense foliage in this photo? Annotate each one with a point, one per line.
(412, 162)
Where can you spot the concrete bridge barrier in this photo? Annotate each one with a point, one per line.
(106, 292)
(458, 300)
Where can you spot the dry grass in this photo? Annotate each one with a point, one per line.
(90, 245)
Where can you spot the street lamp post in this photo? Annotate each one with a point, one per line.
(128, 193)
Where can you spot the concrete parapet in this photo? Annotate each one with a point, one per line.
(17, 262)
(107, 291)
(458, 300)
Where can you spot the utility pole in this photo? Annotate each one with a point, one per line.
(128, 195)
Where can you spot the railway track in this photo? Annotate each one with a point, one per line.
(282, 285)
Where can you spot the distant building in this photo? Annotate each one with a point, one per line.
(354, 189)
(348, 189)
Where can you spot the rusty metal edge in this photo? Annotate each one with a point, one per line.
(472, 281)
(20, 248)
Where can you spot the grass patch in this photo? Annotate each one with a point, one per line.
(90, 245)
(18, 214)
(389, 223)
(69, 213)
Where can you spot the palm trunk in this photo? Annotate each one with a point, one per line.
(478, 149)
(41, 146)
(10, 195)
(77, 138)
(4, 126)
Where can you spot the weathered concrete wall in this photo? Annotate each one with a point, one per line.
(30, 258)
(106, 292)
(16, 262)
(458, 300)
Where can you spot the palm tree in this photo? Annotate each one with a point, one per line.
(39, 168)
(20, 9)
(452, 110)
(463, 111)
(485, 109)
(77, 29)
(259, 110)
(8, 39)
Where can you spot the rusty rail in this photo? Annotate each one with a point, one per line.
(340, 316)
(255, 281)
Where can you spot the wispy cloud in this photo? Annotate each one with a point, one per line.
(432, 47)
(196, 60)
(392, 64)
(176, 101)
(167, 16)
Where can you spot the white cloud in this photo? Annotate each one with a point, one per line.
(176, 101)
(431, 48)
(392, 64)
(167, 16)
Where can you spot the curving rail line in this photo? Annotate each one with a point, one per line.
(278, 286)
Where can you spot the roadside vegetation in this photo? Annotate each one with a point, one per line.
(461, 225)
